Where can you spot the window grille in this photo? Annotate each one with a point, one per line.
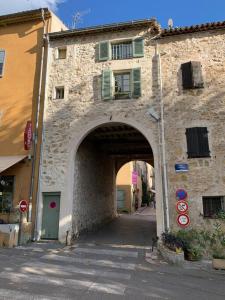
(122, 50)
(212, 206)
(59, 92)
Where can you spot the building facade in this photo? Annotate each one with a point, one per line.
(22, 64)
(132, 91)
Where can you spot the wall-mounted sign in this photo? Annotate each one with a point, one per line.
(28, 136)
(182, 206)
(134, 177)
(179, 168)
(181, 194)
(183, 220)
(23, 206)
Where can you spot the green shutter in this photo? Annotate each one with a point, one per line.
(104, 51)
(138, 47)
(107, 84)
(136, 82)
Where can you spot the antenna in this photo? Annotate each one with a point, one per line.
(78, 17)
(170, 23)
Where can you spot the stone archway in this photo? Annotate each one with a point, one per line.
(79, 136)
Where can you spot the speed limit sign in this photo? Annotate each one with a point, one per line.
(182, 207)
(183, 220)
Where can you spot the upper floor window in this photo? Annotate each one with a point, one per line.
(2, 60)
(192, 75)
(6, 193)
(121, 50)
(212, 206)
(197, 142)
(121, 84)
(61, 53)
(59, 92)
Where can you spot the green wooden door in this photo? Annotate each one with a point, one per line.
(120, 199)
(50, 217)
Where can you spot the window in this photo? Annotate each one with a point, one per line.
(61, 53)
(212, 206)
(121, 84)
(6, 193)
(2, 59)
(197, 142)
(192, 75)
(121, 50)
(59, 92)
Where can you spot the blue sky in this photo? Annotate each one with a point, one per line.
(182, 12)
(104, 11)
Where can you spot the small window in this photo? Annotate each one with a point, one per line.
(197, 142)
(122, 86)
(212, 206)
(2, 60)
(59, 92)
(122, 50)
(192, 75)
(61, 53)
(6, 193)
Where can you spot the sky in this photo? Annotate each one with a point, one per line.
(95, 12)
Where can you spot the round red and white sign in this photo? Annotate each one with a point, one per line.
(23, 206)
(182, 207)
(183, 220)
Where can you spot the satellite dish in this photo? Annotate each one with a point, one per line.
(170, 23)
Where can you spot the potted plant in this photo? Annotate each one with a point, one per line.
(193, 253)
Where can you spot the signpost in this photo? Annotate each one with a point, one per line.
(23, 206)
(181, 194)
(180, 168)
(183, 220)
(28, 136)
(182, 206)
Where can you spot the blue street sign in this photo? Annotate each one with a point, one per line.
(181, 168)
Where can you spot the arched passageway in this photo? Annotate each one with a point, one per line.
(99, 156)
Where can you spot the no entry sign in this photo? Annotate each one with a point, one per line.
(183, 220)
(182, 207)
(23, 206)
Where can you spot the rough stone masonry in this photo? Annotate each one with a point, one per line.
(85, 178)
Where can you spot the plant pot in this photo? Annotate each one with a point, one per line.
(191, 257)
(218, 263)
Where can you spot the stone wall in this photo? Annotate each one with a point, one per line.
(67, 122)
(189, 108)
(93, 188)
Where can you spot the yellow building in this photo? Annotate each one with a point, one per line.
(129, 182)
(22, 76)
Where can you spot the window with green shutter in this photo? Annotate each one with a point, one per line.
(104, 51)
(136, 81)
(138, 47)
(107, 84)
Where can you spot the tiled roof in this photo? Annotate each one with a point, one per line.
(193, 28)
(107, 27)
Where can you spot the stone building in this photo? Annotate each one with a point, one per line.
(132, 91)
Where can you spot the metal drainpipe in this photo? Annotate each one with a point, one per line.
(35, 135)
(164, 168)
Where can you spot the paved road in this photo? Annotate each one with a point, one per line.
(113, 263)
